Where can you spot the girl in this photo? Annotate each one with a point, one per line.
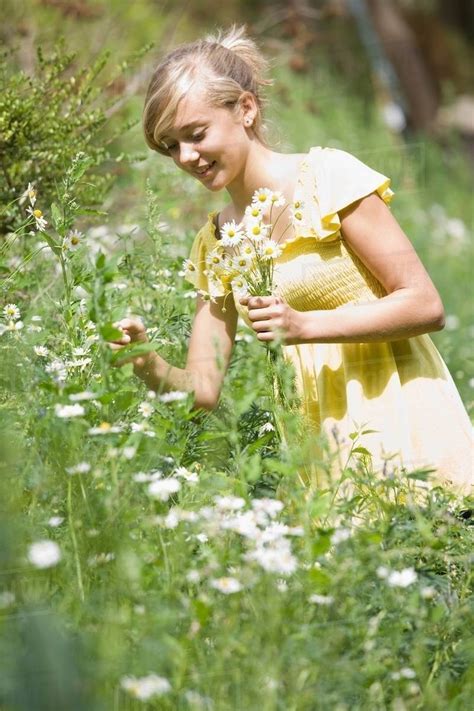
(352, 300)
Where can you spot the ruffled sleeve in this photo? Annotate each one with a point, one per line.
(339, 180)
(196, 269)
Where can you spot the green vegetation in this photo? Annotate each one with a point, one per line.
(151, 509)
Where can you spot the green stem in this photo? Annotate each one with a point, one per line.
(74, 542)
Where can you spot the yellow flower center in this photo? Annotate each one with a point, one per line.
(75, 240)
(256, 230)
(104, 426)
(37, 213)
(298, 216)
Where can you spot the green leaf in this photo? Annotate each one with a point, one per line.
(361, 450)
(134, 350)
(109, 332)
(56, 217)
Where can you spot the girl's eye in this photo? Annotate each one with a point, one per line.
(198, 136)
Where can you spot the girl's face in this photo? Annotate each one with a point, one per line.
(209, 143)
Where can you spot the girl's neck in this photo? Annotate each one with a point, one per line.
(262, 169)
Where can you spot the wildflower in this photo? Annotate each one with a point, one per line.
(340, 535)
(405, 673)
(29, 194)
(253, 212)
(186, 474)
(257, 231)
(57, 369)
(226, 585)
(193, 576)
(39, 219)
(321, 599)
(80, 468)
(41, 351)
(269, 249)
(277, 199)
(173, 396)
(129, 452)
(67, 411)
(428, 592)
(104, 428)
(145, 687)
(215, 258)
(55, 521)
(11, 312)
(297, 215)
(261, 197)
(276, 558)
(12, 326)
(188, 267)
(145, 409)
(44, 554)
(72, 240)
(229, 503)
(401, 578)
(242, 262)
(266, 427)
(232, 235)
(271, 507)
(239, 287)
(163, 488)
(84, 395)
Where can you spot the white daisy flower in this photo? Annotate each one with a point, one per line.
(269, 249)
(321, 599)
(80, 468)
(248, 249)
(242, 262)
(232, 234)
(239, 287)
(254, 212)
(39, 219)
(186, 474)
(266, 427)
(41, 351)
(277, 198)
(104, 428)
(402, 578)
(44, 554)
(145, 409)
(215, 258)
(229, 503)
(189, 268)
(145, 687)
(297, 215)
(29, 194)
(262, 197)
(80, 397)
(257, 231)
(68, 411)
(55, 521)
(163, 488)
(226, 585)
(11, 312)
(72, 240)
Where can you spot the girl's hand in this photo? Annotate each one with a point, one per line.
(134, 331)
(272, 318)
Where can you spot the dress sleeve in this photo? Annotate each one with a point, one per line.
(340, 180)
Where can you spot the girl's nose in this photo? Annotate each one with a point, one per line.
(187, 154)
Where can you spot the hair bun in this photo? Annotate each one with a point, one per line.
(236, 40)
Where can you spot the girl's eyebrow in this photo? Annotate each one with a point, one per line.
(192, 124)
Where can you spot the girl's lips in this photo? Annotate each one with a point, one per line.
(203, 174)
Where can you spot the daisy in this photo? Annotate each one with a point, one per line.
(145, 687)
(44, 554)
(188, 267)
(163, 488)
(68, 411)
(242, 262)
(277, 199)
(39, 219)
(104, 428)
(72, 241)
(29, 194)
(226, 585)
(41, 351)
(173, 396)
(257, 231)
(11, 312)
(269, 249)
(247, 249)
(261, 197)
(80, 468)
(232, 234)
(215, 258)
(239, 287)
(145, 409)
(253, 212)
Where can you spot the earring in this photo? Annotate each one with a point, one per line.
(248, 121)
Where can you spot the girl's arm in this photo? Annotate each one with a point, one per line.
(209, 352)
(412, 306)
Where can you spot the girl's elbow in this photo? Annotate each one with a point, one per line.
(438, 316)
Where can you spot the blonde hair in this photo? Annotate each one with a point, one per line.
(227, 64)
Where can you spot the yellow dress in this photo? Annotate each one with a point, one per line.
(400, 389)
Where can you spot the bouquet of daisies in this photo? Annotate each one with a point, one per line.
(243, 262)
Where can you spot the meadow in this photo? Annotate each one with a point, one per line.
(155, 556)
